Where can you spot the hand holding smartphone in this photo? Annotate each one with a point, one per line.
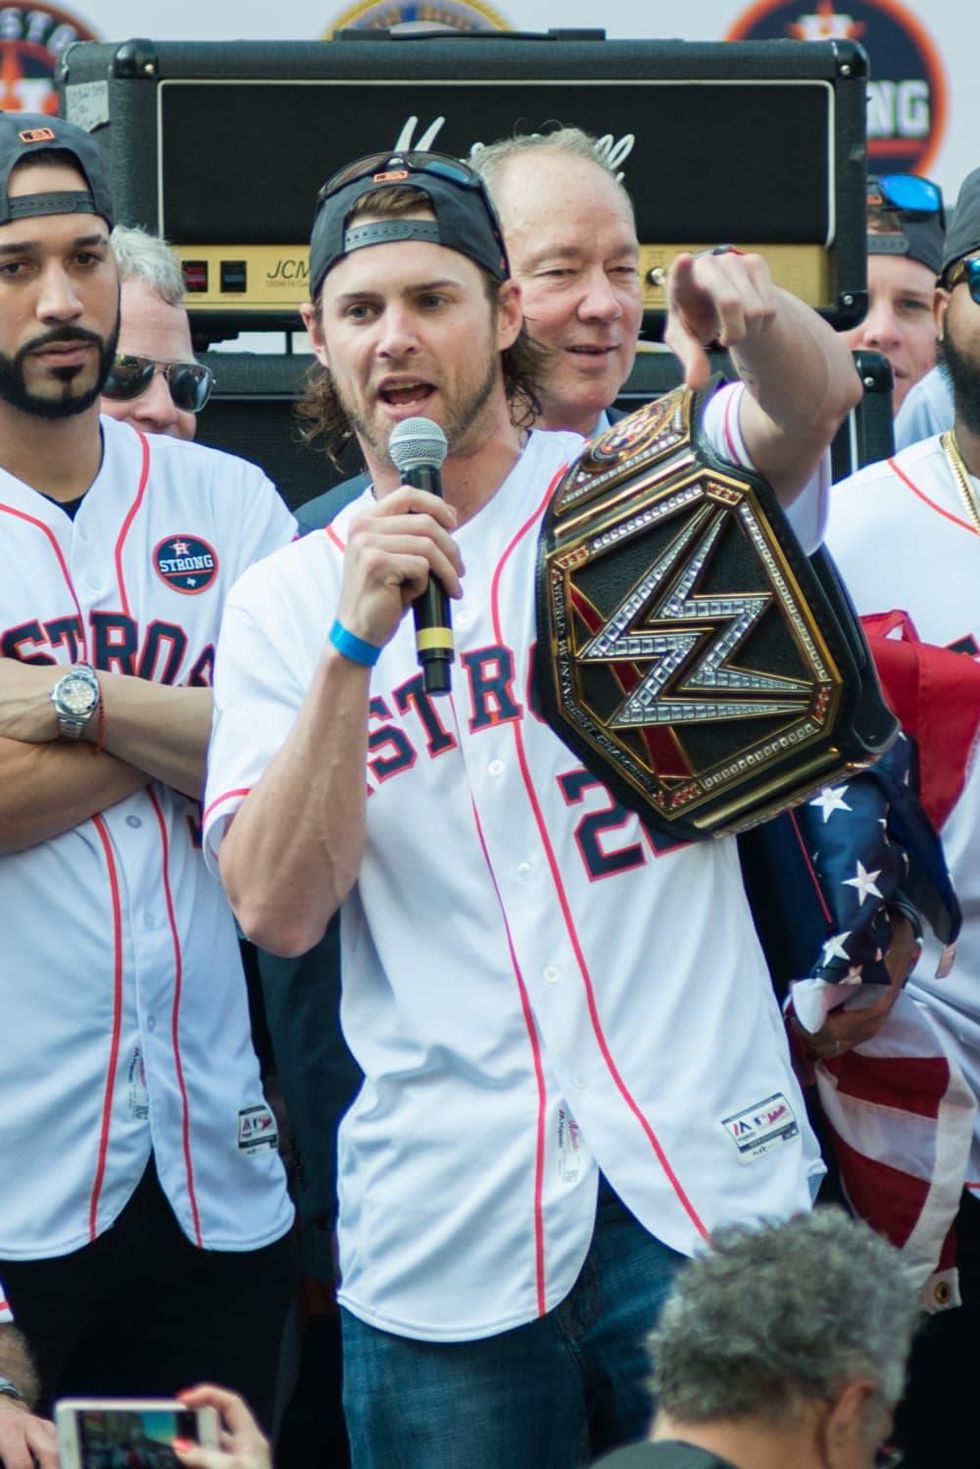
(129, 1433)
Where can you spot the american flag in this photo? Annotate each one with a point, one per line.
(898, 1112)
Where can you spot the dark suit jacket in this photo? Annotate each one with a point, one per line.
(667, 1454)
(317, 513)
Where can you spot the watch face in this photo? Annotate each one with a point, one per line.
(76, 695)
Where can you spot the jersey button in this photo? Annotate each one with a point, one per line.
(133, 821)
(151, 1022)
(462, 618)
(151, 920)
(496, 767)
(523, 870)
(551, 974)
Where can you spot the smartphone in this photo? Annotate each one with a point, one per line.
(128, 1433)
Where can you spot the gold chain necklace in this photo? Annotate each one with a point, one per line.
(961, 475)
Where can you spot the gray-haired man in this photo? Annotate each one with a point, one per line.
(784, 1346)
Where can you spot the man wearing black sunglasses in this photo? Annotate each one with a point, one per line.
(144, 1217)
(154, 383)
(906, 535)
(530, 993)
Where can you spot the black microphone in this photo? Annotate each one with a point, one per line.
(417, 447)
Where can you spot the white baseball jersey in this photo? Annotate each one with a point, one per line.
(533, 986)
(121, 989)
(904, 539)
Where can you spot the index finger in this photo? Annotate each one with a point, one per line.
(407, 497)
(684, 295)
(233, 1408)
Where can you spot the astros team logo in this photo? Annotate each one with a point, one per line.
(444, 15)
(186, 563)
(32, 40)
(907, 96)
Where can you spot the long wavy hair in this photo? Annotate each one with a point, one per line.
(322, 418)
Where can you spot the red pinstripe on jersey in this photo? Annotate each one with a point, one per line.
(242, 791)
(175, 1018)
(821, 899)
(532, 1034)
(130, 517)
(59, 556)
(117, 997)
(927, 500)
(734, 455)
(563, 900)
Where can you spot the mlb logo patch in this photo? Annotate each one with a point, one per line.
(256, 1130)
(766, 1125)
(186, 563)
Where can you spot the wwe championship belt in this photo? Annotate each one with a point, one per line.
(689, 652)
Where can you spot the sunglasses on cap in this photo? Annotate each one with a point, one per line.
(384, 168)
(965, 270)
(910, 194)
(190, 384)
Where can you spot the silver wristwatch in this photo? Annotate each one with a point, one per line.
(75, 698)
(10, 1389)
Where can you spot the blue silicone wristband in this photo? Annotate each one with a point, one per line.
(353, 647)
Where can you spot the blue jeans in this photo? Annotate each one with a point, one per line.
(548, 1395)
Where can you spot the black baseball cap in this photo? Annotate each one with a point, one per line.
(916, 239)
(964, 230)
(465, 219)
(22, 134)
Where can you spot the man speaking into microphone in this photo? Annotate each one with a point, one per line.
(555, 1022)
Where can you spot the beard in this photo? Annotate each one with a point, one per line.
(463, 412)
(962, 373)
(13, 380)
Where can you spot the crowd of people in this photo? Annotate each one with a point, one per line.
(559, 1059)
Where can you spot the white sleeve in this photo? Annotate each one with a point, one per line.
(267, 523)
(808, 513)
(257, 695)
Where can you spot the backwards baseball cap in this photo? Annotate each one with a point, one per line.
(916, 206)
(465, 219)
(964, 231)
(23, 134)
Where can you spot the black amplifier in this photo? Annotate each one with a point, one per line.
(222, 146)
